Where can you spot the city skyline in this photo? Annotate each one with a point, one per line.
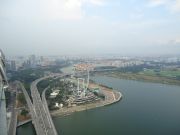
(61, 27)
(89, 67)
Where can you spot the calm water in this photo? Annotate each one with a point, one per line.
(146, 109)
(26, 129)
(67, 69)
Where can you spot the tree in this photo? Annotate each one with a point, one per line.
(21, 98)
(24, 112)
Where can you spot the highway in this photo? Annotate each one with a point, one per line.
(35, 121)
(41, 117)
(13, 120)
(46, 107)
(44, 118)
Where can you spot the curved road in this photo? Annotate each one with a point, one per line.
(44, 118)
(41, 117)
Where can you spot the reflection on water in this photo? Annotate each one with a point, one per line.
(146, 109)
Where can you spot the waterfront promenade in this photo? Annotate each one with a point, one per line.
(111, 97)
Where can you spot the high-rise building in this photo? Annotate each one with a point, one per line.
(33, 61)
(3, 86)
(13, 65)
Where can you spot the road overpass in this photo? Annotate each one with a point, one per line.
(34, 116)
(41, 117)
(46, 108)
(44, 118)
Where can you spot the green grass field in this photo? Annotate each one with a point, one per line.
(149, 75)
(163, 73)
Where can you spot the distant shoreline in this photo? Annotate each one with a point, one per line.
(140, 77)
(112, 96)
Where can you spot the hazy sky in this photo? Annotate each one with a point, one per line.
(58, 27)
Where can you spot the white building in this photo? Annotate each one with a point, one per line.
(54, 93)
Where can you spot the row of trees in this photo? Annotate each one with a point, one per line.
(63, 96)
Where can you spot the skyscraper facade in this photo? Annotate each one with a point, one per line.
(3, 86)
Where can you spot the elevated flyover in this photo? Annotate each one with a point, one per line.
(41, 117)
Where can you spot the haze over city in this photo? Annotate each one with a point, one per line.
(63, 27)
(89, 67)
